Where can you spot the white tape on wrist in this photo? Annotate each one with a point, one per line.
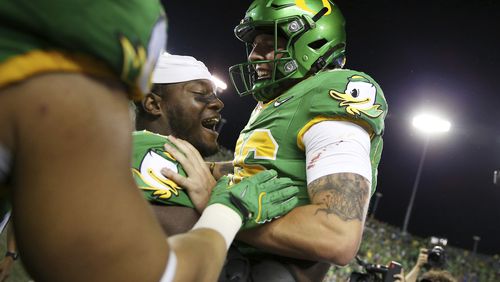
(221, 219)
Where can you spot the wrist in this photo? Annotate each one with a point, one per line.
(222, 219)
(12, 255)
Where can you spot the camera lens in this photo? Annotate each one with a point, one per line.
(436, 257)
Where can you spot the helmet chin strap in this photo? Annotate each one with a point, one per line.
(321, 13)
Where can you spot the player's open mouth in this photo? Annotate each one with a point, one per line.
(210, 123)
(263, 73)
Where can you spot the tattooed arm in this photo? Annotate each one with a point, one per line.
(338, 171)
(329, 229)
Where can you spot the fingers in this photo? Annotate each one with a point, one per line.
(191, 161)
(185, 157)
(398, 277)
(263, 176)
(281, 195)
(189, 150)
(174, 176)
(279, 209)
(276, 184)
(278, 189)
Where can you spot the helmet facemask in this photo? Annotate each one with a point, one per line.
(305, 53)
(283, 66)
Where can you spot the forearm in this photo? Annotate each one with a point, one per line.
(329, 229)
(305, 233)
(175, 219)
(204, 248)
(222, 168)
(206, 244)
(413, 274)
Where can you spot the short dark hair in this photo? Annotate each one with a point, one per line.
(157, 89)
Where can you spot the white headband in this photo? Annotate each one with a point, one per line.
(174, 68)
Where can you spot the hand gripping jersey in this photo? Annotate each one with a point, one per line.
(111, 39)
(149, 157)
(272, 138)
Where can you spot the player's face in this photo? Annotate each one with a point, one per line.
(263, 49)
(192, 109)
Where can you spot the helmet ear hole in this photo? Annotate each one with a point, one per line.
(317, 44)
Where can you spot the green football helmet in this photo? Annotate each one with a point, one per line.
(315, 34)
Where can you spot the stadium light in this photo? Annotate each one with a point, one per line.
(219, 83)
(429, 124)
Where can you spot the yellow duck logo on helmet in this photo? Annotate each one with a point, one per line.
(358, 97)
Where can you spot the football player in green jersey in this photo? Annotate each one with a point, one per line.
(66, 73)
(316, 123)
(182, 103)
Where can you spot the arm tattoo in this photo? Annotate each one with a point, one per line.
(341, 194)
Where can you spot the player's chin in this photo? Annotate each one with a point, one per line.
(209, 134)
(208, 147)
(208, 138)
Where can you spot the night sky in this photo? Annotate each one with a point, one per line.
(426, 55)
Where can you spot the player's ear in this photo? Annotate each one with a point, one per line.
(151, 103)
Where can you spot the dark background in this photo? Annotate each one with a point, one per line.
(426, 55)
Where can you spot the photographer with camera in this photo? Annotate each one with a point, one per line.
(434, 259)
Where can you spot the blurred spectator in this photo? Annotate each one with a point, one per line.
(383, 242)
(437, 276)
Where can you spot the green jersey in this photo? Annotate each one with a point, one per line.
(272, 138)
(112, 38)
(148, 158)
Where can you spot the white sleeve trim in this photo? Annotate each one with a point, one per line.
(335, 147)
(169, 274)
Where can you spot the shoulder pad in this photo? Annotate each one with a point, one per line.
(349, 95)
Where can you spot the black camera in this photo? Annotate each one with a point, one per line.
(375, 272)
(436, 257)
